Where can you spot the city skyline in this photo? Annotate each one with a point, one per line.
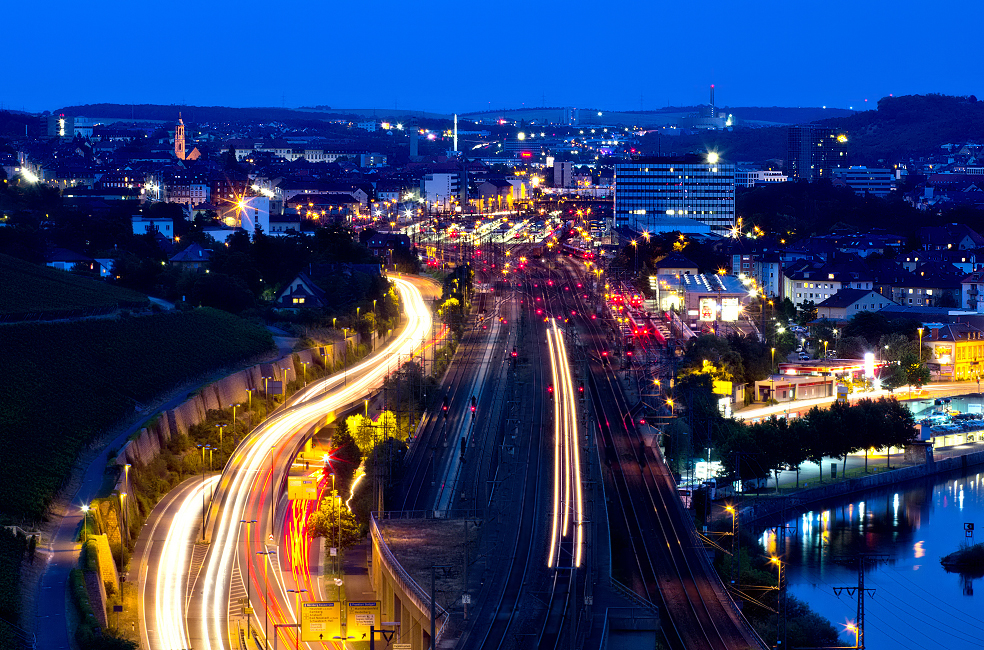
(379, 60)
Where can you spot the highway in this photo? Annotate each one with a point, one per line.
(213, 614)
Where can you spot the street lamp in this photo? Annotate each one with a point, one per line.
(249, 565)
(304, 365)
(734, 535)
(221, 428)
(203, 448)
(772, 373)
(297, 597)
(85, 523)
(266, 608)
(669, 402)
(920, 330)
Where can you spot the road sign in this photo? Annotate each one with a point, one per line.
(302, 488)
(466, 599)
(968, 526)
(320, 621)
(359, 616)
(402, 646)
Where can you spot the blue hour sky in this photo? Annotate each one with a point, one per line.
(443, 56)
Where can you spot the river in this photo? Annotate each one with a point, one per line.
(916, 604)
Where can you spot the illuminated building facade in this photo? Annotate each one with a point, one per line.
(812, 152)
(649, 191)
(179, 139)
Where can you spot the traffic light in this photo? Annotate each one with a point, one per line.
(473, 404)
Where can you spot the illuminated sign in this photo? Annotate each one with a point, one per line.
(722, 387)
(729, 310)
(707, 309)
(359, 617)
(320, 622)
(302, 488)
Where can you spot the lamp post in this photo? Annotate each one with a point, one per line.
(234, 406)
(781, 611)
(249, 566)
(85, 523)
(249, 407)
(203, 448)
(266, 608)
(920, 330)
(772, 374)
(734, 536)
(221, 428)
(297, 597)
(304, 365)
(123, 525)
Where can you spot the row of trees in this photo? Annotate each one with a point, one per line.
(781, 444)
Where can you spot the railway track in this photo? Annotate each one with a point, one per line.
(672, 572)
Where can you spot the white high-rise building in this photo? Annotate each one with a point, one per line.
(649, 191)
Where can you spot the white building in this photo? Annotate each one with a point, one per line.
(755, 177)
(647, 190)
(563, 174)
(369, 126)
(866, 180)
(142, 225)
(440, 190)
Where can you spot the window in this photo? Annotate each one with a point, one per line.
(298, 301)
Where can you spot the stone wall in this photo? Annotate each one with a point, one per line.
(233, 389)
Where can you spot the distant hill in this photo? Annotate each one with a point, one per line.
(774, 115)
(169, 113)
(31, 291)
(913, 125)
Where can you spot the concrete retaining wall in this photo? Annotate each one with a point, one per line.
(233, 389)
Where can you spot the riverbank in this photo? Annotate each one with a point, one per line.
(759, 510)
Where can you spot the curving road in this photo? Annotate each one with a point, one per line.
(212, 612)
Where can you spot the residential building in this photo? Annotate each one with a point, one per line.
(193, 258)
(972, 291)
(675, 264)
(957, 351)
(965, 260)
(648, 190)
(806, 281)
(142, 225)
(844, 304)
(949, 237)
(301, 293)
(441, 191)
(814, 151)
(866, 180)
(385, 244)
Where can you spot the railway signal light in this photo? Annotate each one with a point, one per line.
(445, 406)
(473, 404)
(514, 353)
(550, 389)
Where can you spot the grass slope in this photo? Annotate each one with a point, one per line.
(64, 384)
(27, 288)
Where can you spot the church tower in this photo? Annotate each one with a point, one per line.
(179, 139)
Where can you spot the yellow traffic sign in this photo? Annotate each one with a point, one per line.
(358, 618)
(320, 621)
(302, 488)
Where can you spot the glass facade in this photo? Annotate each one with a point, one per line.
(654, 190)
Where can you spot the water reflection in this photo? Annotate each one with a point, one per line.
(916, 603)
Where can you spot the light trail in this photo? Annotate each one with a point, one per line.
(248, 470)
(568, 499)
(169, 595)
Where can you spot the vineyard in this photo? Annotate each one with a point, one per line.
(32, 292)
(63, 384)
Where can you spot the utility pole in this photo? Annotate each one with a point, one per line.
(861, 591)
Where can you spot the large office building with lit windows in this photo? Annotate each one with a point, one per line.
(660, 194)
(813, 152)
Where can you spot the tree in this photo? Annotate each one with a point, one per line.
(334, 518)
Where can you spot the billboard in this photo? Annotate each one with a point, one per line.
(707, 309)
(320, 622)
(729, 310)
(302, 488)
